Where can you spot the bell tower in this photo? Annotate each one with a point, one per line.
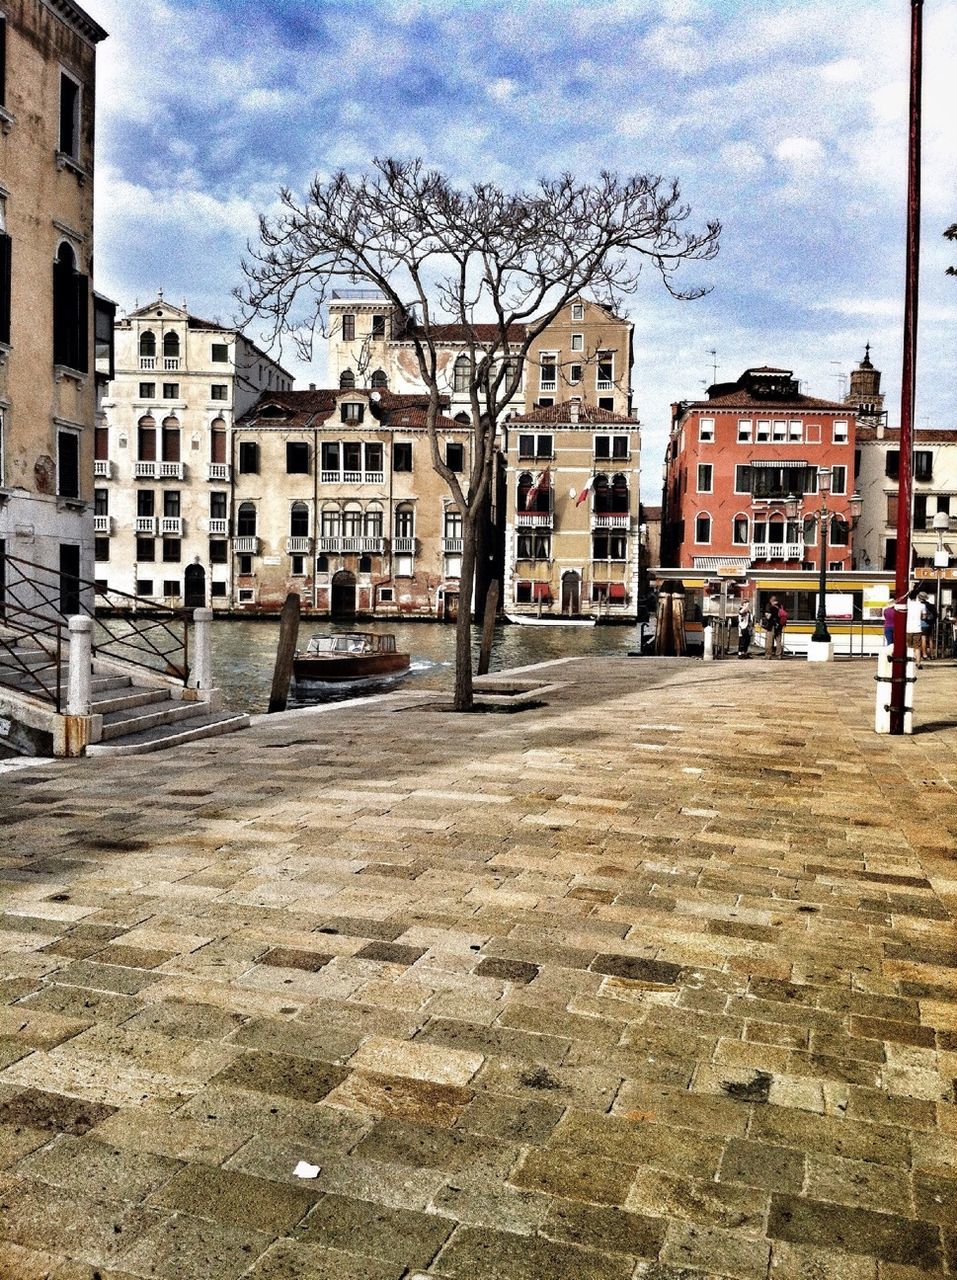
(865, 394)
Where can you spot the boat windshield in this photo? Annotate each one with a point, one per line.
(349, 642)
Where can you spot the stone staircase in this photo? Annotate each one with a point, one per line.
(133, 713)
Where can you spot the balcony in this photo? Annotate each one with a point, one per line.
(246, 546)
(777, 550)
(341, 545)
(102, 524)
(170, 363)
(171, 526)
(145, 470)
(101, 467)
(218, 471)
(145, 524)
(299, 546)
(352, 477)
(218, 527)
(452, 546)
(147, 362)
(403, 546)
(172, 470)
(607, 520)
(534, 519)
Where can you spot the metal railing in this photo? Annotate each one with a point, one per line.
(35, 606)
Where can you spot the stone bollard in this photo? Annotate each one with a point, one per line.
(202, 674)
(882, 711)
(708, 642)
(80, 686)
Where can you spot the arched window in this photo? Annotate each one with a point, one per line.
(534, 492)
(347, 380)
(217, 441)
(146, 439)
(740, 529)
(147, 343)
(171, 439)
(373, 521)
(464, 419)
(405, 520)
(246, 520)
(365, 564)
(702, 528)
(602, 492)
(380, 379)
(330, 521)
(619, 494)
(71, 306)
(299, 520)
(170, 343)
(352, 521)
(452, 523)
(461, 371)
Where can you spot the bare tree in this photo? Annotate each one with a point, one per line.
(500, 265)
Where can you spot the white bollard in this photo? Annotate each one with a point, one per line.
(708, 642)
(882, 712)
(202, 674)
(80, 686)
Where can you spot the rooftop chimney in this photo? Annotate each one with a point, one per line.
(312, 386)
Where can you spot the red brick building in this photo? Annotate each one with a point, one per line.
(736, 459)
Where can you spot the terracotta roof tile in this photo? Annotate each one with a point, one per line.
(562, 413)
(926, 435)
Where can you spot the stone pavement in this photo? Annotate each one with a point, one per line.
(655, 981)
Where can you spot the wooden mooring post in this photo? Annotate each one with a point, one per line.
(288, 633)
(488, 627)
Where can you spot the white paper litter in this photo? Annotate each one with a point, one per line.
(306, 1170)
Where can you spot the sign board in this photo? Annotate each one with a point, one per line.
(731, 571)
(924, 573)
(838, 605)
(877, 597)
(272, 559)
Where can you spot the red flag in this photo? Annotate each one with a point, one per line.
(585, 492)
(541, 485)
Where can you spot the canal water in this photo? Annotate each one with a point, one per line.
(244, 654)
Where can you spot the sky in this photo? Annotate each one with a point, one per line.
(785, 119)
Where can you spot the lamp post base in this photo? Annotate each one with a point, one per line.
(820, 651)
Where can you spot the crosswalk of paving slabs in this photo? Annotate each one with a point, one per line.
(653, 982)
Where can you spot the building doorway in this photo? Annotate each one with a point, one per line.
(571, 592)
(344, 595)
(194, 593)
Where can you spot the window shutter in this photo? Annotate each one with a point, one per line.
(6, 254)
(81, 294)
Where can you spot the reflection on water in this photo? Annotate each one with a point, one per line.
(244, 654)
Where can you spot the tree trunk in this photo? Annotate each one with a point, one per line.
(462, 699)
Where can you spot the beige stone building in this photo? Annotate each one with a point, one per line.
(164, 460)
(585, 354)
(337, 500)
(48, 380)
(572, 538)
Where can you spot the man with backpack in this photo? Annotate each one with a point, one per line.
(774, 619)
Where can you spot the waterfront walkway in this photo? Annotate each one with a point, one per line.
(656, 980)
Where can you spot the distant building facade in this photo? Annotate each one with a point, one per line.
(735, 459)
(572, 540)
(336, 499)
(48, 312)
(585, 353)
(163, 467)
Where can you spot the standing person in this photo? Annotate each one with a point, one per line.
(745, 630)
(928, 627)
(889, 612)
(915, 613)
(773, 619)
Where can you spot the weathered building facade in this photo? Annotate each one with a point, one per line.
(48, 312)
(336, 498)
(735, 464)
(163, 466)
(572, 533)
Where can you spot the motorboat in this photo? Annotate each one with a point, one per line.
(349, 655)
(549, 620)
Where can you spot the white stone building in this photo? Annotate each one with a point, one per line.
(164, 464)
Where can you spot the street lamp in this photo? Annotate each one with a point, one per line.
(820, 649)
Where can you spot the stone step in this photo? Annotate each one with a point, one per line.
(124, 696)
(172, 735)
(128, 720)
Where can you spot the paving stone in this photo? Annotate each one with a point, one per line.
(375, 1094)
(505, 970)
(400, 1235)
(52, 1112)
(280, 1073)
(290, 958)
(479, 1254)
(95, 1169)
(609, 1230)
(290, 1260)
(878, 1235)
(236, 1199)
(186, 1248)
(420, 1060)
(757, 1164)
(563, 1173)
(716, 1251)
